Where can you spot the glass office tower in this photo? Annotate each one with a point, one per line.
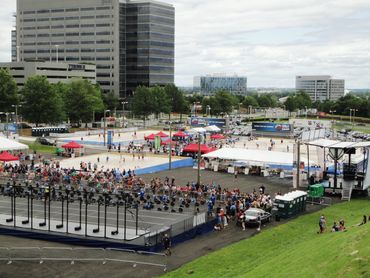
(131, 42)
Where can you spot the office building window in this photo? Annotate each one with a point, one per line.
(73, 26)
(87, 25)
(72, 10)
(88, 9)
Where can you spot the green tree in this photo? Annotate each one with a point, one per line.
(250, 101)
(8, 91)
(82, 100)
(42, 104)
(111, 101)
(290, 104)
(143, 102)
(303, 100)
(225, 102)
(267, 100)
(162, 103)
(177, 99)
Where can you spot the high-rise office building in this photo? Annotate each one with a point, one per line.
(131, 42)
(14, 46)
(209, 85)
(320, 87)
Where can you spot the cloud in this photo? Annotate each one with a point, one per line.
(269, 41)
(272, 41)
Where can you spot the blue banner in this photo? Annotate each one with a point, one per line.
(110, 137)
(272, 127)
(200, 121)
(12, 128)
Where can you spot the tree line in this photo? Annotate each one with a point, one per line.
(43, 102)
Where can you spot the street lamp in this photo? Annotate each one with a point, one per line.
(123, 112)
(105, 123)
(16, 113)
(332, 123)
(170, 149)
(354, 115)
(208, 110)
(306, 111)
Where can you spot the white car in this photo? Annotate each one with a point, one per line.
(251, 216)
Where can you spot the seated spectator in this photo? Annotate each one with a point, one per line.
(335, 227)
(364, 220)
(342, 228)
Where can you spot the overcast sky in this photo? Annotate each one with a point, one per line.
(269, 41)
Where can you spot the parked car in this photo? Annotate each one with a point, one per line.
(46, 141)
(251, 215)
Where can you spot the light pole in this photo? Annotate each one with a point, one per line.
(105, 123)
(208, 110)
(123, 112)
(199, 154)
(332, 123)
(170, 149)
(16, 114)
(354, 115)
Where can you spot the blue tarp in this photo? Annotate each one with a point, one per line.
(162, 167)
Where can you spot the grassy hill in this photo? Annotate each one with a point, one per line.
(295, 249)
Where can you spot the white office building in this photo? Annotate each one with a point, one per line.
(320, 87)
(54, 72)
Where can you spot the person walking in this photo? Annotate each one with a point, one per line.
(167, 245)
(322, 224)
(259, 222)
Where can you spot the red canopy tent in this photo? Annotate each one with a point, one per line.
(167, 142)
(162, 134)
(180, 134)
(72, 145)
(150, 137)
(193, 148)
(6, 157)
(217, 136)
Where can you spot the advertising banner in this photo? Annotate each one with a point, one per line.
(157, 142)
(311, 124)
(272, 127)
(200, 121)
(110, 138)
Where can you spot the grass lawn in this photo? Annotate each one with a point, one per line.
(342, 125)
(39, 148)
(295, 249)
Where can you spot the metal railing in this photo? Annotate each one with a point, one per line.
(324, 201)
(80, 254)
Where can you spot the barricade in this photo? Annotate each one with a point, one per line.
(137, 257)
(56, 254)
(24, 254)
(72, 255)
(324, 201)
(89, 254)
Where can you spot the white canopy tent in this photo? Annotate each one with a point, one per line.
(253, 156)
(198, 130)
(212, 128)
(11, 145)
